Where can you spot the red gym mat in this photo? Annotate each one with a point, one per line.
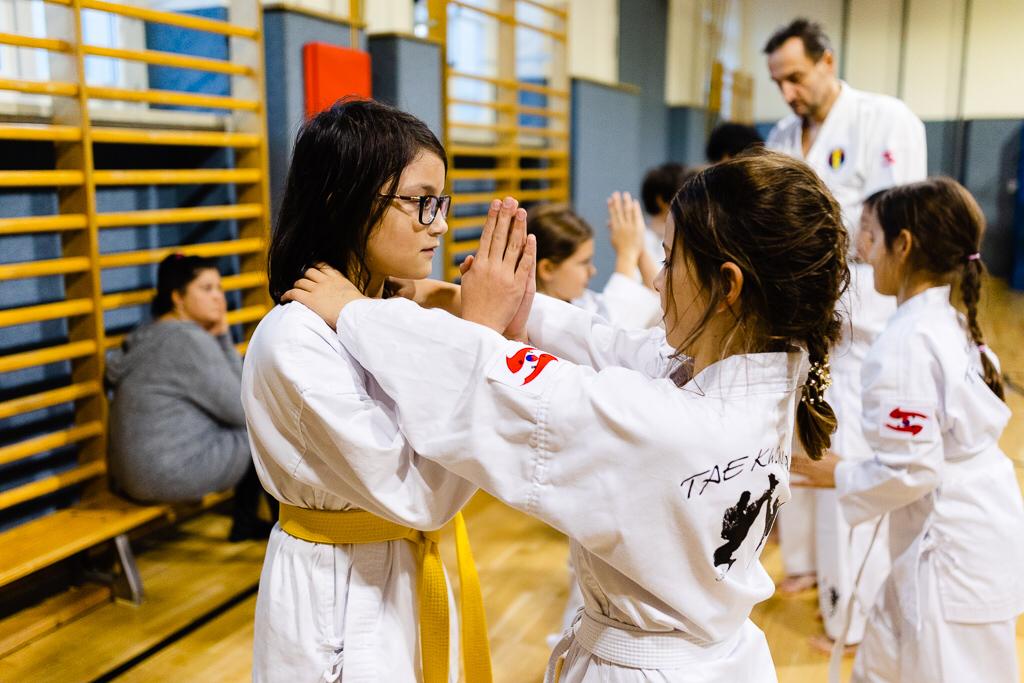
(333, 72)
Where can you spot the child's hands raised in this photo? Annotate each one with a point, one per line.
(499, 280)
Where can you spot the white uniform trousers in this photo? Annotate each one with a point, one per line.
(796, 532)
(894, 650)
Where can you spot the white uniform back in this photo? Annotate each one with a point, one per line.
(956, 515)
(667, 491)
(623, 302)
(325, 436)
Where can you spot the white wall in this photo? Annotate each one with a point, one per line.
(933, 54)
(995, 60)
(686, 64)
(872, 56)
(594, 40)
(388, 16)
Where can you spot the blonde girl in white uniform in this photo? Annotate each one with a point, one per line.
(667, 476)
(933, 414)
(352, 588)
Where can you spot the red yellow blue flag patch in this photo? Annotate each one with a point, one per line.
(836, 158)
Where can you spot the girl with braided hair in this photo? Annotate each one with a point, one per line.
(933, 414)
(665, 468)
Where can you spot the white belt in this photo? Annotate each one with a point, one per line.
(632, 647)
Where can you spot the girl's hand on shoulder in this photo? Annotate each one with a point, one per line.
(325, 291)
(819, 474)
(496, 281)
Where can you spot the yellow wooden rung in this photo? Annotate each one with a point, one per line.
(464, 247)
(246, 314)
(543, 153)
(52, 354)
(47, 442)
(200, 176)
(557, 11)
(57, 266)
(39, 87)
(209, 249)
(170, 59)
(31, 41)
(140, 297)
(40, 178)
(32, 314)
(484, 104)
(114, 342)
(17, 226)
(541, 111)
(244, 280)
(45, 399)
(186, 215)
(31, 131)
(172, 19)
(195, 138)
(172, 97)
(466, 222)
(123, 299)
(480, 151)
(52, 484)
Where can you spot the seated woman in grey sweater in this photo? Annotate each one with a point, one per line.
(177, 430)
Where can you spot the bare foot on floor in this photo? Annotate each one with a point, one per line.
(797, 583)
(823, 644)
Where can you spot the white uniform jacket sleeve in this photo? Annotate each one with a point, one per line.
(630, 304)
(637, 470)
(898, 153)
(587, 339)
(901, 422)
(316, 417)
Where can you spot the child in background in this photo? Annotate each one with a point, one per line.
(565, 252)
(659, 187)
(933, 414)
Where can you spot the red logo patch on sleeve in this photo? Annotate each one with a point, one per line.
(888, 157)
(907, 421)
(528, 357)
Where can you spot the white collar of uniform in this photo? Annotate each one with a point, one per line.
(750, 373)
(926, 299)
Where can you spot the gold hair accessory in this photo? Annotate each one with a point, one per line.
(819, 378)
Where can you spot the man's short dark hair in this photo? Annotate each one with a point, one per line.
(662, 182)
(810, 33)
(729, 139)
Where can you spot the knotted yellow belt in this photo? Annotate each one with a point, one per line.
(358, 526)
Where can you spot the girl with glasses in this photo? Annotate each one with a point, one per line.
(352, 571)
(665, 469)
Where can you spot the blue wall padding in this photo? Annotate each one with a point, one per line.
(194, 43)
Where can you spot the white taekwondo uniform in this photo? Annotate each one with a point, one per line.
(840, 550)
(667, 492)
(624, 302)
(325, 436)
(956, 521)
(868, 142)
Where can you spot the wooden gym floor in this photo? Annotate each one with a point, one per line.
(196, 624)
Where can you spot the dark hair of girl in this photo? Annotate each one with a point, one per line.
(559, 231)
(175, 274)
(946, 225)
(344, 159)
(662, 182)
(776, 221)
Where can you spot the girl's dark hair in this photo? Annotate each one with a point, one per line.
(559, 231)
(344, 159)
(772, 217)
(175, 274)
(946, 225)
(662, 182)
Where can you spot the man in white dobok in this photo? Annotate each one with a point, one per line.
(859, 143)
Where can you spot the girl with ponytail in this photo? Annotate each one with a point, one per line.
(663, 454)
(933, 414)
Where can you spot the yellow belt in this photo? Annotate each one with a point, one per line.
(358, 526)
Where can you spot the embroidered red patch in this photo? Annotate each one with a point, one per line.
(538, 359)
(907, 421)
(888, 157)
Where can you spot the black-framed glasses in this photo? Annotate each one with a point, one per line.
(430, 204)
